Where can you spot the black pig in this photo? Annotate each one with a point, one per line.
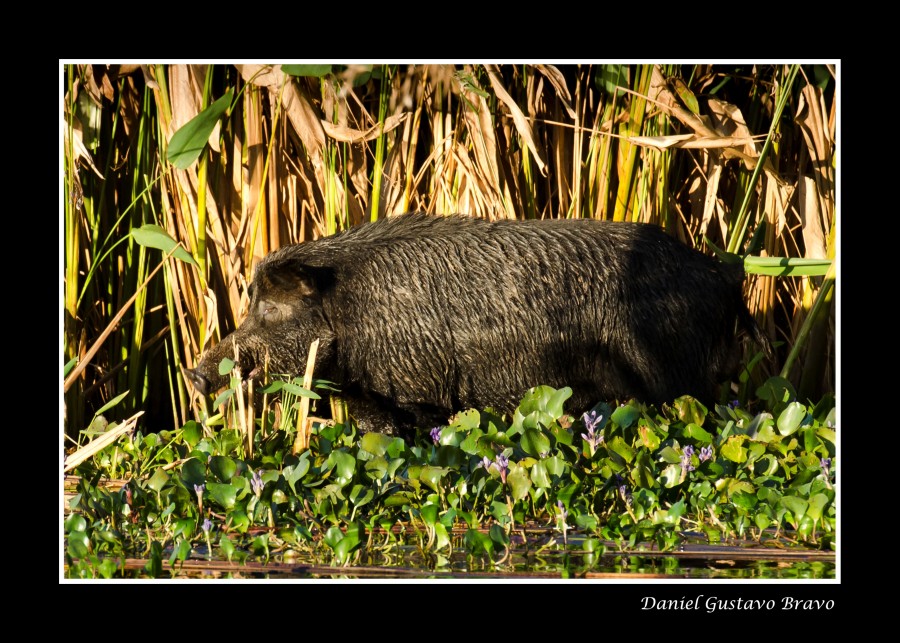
(420, 316)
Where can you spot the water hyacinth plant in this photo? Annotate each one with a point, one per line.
(761, 476)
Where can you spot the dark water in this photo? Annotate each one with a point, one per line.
(773, 559)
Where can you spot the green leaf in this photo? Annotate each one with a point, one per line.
(442, 538)
(69, 366)
(223, 494)
(228, 440)
(112, 403)
(648, 436)
(625, 415)
(344, 465)
(294, 473)
(733, 449)
(193, 472)
(75, 522)
(697, 433)
(223, 397)
(466, 420)
(477, 542)
(791, 417)
(777, 392)
(450, 456)
(535, 442)
(296, 389)
(360, 495)
(188, 143)
(642, 473)
(817, 504)
(226, 366)
(670, 455)
(610, 77)
(376, 443)
(519, 482)
(686, 95)
(760, 428)
(556, 402)
(671, 476)
(429, 514)
(152, 236)
(690, 410)
(539, 475)
(333, 536)
(431, 476)
(400, 498)
(192, 433)
(158, 480)
(546, 399)
(796, 506)
(562, 436)
(498, 535)
(827, 434)
(744, 499)
(226, 546)
(307, 71)
(617, 445)
(222, 467)
(470, 444)
(738, 486)
(784, 266)
(78, 544)
(272, 387)
(556, 466)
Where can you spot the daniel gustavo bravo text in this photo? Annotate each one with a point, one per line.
(712, 603)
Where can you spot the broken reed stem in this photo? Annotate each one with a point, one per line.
(265, 400)
(250, 422)
(304, 424)
(100, 442)
(239, 394)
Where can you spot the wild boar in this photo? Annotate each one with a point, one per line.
(420, 316)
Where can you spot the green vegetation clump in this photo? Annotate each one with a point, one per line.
(610, 480)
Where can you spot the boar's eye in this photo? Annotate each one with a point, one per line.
(269, 311)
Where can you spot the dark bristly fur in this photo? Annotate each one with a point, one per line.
(420, 316)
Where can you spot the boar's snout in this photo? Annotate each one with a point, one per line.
(200, 382)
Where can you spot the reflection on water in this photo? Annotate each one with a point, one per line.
(773, 559)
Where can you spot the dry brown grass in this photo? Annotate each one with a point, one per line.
(301, 157)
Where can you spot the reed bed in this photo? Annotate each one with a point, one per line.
(719, 155)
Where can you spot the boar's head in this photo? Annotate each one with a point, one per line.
(286, 314)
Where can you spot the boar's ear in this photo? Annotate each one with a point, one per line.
(307, 280)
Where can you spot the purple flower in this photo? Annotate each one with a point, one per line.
(563, 514)
(592, 437)
(199, 489)
(625, 494)
(686, 458)
(502, 465)
(436, 435)
(706, 453)
(825, 463)
(734, 403)
(591, 420)
(256, 482)
(207, 525)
